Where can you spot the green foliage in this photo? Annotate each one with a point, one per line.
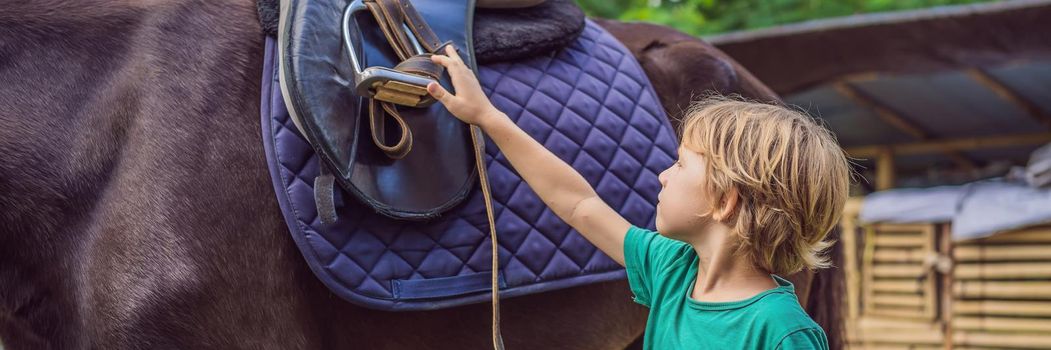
(700, 17)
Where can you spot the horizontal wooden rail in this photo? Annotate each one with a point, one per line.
(1002, 270)
(897, 286)
(1002, 324)
(1003, 289)
(1002, 253)
(1002, 340)
(900, 255)
(941, 146)
(1004, 308)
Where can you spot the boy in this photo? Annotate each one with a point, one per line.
(754, 192)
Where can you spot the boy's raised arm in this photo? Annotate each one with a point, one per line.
(564, 190)
(561, 187)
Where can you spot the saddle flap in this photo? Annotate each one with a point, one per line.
(317, 82)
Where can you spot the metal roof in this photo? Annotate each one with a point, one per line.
(966, 75)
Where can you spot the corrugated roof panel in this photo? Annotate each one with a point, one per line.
(853, 125)
(1031, 81)
(949, 105)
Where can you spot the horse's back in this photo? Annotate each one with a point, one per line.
(137, 210)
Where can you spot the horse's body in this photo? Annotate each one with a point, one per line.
(136, 211)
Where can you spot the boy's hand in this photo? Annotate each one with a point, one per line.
(469, 104)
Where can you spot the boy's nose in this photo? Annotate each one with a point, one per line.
(663, 177)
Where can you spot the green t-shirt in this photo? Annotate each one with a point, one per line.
(662, 271)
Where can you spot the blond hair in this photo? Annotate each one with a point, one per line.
(791, 175)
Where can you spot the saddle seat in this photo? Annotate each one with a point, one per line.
(501, 34)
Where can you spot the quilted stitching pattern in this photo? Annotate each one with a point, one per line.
(589, 103)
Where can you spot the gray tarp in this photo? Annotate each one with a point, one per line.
(976, 210)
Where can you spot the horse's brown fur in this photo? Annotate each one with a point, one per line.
(136, 212)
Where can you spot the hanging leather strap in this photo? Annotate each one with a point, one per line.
(478, 141)
(393, 16)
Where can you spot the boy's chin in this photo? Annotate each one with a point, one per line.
(662, 226)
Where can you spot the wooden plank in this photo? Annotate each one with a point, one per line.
(900, 336)
(1003, 308)
(871, 322)
(1000, 253)
(914, 300)
(1001, 270)
(897, 347)
(1002, 324)
(849, 233)
(900, 255)
(898, 286)
(902, 229)
(915, 314)
(1036, 234)
(1002, 340)
(867, 276)
(884, 240)
(929, 292)
(898, 271)
(946, 248)
(1003, 289)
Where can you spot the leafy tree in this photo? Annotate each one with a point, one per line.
(700, 17)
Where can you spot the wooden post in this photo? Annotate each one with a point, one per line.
(885, 169)
(946, 249)
(848, 225)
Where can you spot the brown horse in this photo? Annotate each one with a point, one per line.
(136, 209)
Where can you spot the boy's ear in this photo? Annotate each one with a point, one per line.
(729, 204)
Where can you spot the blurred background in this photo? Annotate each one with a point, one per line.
(705, 17)
(945, 108)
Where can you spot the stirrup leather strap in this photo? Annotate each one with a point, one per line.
(393, 17)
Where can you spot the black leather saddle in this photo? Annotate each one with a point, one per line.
(353, 136)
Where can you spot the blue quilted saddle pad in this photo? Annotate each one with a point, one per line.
(590, 103)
